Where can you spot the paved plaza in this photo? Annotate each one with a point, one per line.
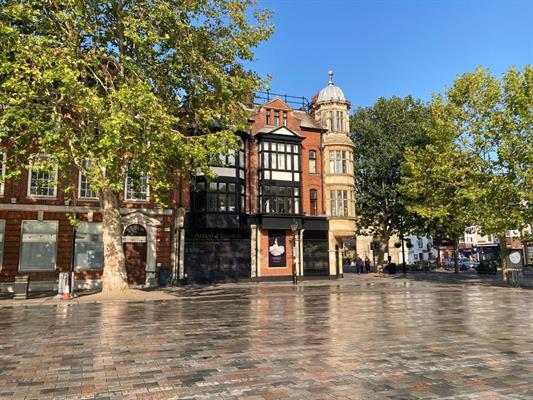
(362, 337)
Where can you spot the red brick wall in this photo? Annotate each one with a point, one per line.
(276, 271)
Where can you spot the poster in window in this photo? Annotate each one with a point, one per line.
(276, 249)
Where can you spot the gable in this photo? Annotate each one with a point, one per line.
(283, 130)
(277, 104)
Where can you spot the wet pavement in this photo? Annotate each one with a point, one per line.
(359, 338)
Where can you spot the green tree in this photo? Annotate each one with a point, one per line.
(381, 134)
(478, 165)
(123, 88)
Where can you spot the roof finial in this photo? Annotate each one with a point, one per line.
(330, 74)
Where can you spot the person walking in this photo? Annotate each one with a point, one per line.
(367, 264)
(359, 266)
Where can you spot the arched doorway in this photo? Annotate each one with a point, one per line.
(134, 240)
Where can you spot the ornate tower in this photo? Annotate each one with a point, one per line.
(331, 111)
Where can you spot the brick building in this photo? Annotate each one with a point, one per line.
(280, 206)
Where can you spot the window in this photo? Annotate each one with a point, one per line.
(277, 199)
(276, 117)
(284, 118)
(330, 120)
(89, 252)
(2, 232)
(338, 163)
(219, 196)
(268, 117)
(2, 172)
(339, 203)
(312, 161)
(85, 191)
(137, 189)
(39, 242)
(224, 160)
(420, 243)
(339, 120)
(42, 180)
(313, 201)
(280, 156)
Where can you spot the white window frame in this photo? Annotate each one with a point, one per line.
(33, 269)
(126, 198)
(2, 175)
(80, 175)
(42, 196)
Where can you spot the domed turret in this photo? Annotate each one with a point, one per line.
(331, 92)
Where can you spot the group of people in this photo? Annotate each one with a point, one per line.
(360, 265)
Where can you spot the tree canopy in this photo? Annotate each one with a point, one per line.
(477, 168)
(123, 88)
(381, 134)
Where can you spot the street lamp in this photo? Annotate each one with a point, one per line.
(294, 229)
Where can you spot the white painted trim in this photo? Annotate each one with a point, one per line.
(28, 192)
(79, 190)
(147, 200)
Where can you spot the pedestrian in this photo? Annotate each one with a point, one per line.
(367, 264)
(359, 264)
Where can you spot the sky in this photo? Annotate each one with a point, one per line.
(391, 48)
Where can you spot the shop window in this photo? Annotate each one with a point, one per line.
(137, 189)
(313, 201)
(89, 252)
(312, 161)
(42, 178)
(39, 243)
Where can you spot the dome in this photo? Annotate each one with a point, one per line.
(331, 92)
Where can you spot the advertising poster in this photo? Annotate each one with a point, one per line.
(276, 249)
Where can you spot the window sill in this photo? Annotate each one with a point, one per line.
(41, 197)
(88, 199)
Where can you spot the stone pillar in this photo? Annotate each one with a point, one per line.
(253, 254)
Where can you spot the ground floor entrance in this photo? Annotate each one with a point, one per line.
(315, 252)
(217, 255)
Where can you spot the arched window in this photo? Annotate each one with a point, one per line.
(313, 201)
(135, 230)
(312, 161)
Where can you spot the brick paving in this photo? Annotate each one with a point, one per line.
(358, 338)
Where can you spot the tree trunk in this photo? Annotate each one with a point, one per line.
(455, 258)
(503, 258)
(114, 276)
(383, 248)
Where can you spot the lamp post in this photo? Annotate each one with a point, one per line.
(73, 258)
(294, 229)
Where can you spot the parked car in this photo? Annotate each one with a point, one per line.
(465, 264)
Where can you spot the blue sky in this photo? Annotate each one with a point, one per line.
(386, 48)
